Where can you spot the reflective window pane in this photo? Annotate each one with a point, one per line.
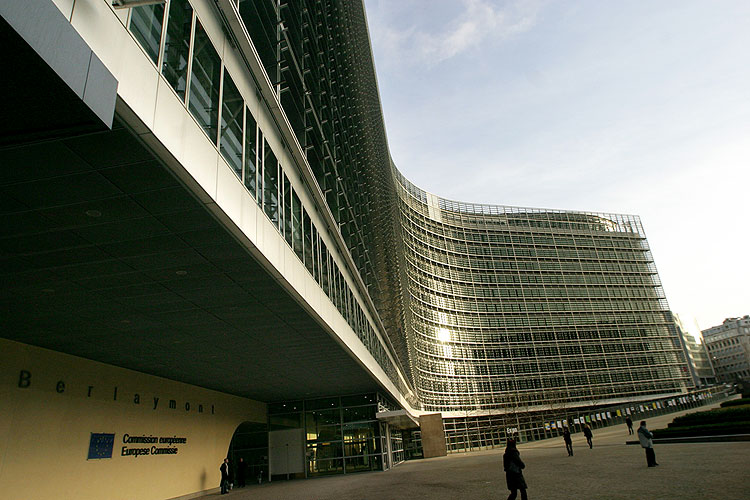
(177, 45)
(270, 184)
(324, 269)
(359, 413)
(205, 79)
(324, 450)
(315, 253)
(145, 24)
(260, 166)
(370, 462)
(297, 225)
(251, 153)
(287, 210)
(230, 143)
(307, 241)
(321, 467)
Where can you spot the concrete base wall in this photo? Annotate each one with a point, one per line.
(433, 435)
(52, 403)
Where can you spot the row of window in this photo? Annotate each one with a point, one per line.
(543, 352)
(449, 319)
(497, 228)
(483, 250)
(584, 394)
(537, 368)
(551, 292)
(478, 246)
(722, 344)
(440, 260)
(174, 39)
(462, 269)
(457, 303)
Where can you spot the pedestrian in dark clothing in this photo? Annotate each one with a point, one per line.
(647, 442)
(513, 467)
(241, 472)
(568, 441)
(630, 425)
(587, 432)
(224, 476)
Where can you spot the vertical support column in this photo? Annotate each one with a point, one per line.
(388, 449)
(433, 435)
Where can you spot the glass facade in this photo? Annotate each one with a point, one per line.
(524, 308)
(341, 433)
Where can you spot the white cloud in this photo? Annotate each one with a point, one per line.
(478, 22)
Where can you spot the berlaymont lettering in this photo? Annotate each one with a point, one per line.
(153, 402)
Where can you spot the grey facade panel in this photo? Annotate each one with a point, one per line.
(44, 28)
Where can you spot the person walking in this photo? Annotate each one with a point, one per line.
(629, 421)
(241, 472)
(224, 477)
(647, 442)
(587, 432)
(513, 467)
(568, 441)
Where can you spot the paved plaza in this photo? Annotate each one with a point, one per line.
(611, 470)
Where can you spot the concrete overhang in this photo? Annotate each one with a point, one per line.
(400, 419)
(107, 254)
(54, 84)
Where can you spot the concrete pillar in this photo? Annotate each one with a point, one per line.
(433, 435)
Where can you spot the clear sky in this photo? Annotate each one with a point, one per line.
(638, 107)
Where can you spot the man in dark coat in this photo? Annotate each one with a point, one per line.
(568, 441)
(587, 432)
(513, 467)
(629, 421)
(241, 472)
(224, 476)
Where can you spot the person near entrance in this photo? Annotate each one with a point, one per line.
(224, 477)
(647, 442)
(513, 467)
(241, 472)
(568, 441)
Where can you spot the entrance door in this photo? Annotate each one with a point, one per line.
(286, 450)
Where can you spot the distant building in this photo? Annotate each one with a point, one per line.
(728, 347)
(699, 363)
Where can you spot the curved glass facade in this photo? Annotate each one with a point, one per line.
(517, 307)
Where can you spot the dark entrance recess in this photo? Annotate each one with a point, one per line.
(250, 442)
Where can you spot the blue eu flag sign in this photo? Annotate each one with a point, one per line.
(101, 445)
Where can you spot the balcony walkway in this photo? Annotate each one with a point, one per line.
(611, 470)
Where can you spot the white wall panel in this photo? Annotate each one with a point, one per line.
(171, 119)
(229, 192)
(200, 157)
(248, 222)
